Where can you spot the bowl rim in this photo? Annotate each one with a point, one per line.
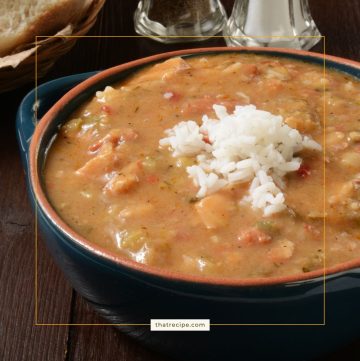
(131, 265)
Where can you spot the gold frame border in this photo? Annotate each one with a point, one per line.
(36, 309)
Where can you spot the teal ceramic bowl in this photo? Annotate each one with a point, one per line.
(289, 318)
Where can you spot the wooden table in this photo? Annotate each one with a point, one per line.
(20, 339)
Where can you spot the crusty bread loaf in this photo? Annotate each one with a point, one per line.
(22, 20)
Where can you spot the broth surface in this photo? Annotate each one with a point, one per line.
(108, 178)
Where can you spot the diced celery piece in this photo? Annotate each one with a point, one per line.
(184, 162)
(134, 240)
(72, 125)
(266, 226)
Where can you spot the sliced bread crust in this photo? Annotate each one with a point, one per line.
(23, 20)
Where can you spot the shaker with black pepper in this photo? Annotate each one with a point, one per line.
(171, 21)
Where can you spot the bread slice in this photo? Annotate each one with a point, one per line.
(22, 20)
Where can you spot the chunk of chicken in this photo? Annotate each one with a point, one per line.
(106, 95)
(120, 183)
(304, 122)
(103, 163)
(344, 201)
(136, 211)
(125, 180)
(115, 137)
(297, 113)
(215, 210)
(314, 79)
(244, 72)
(281, 251)
(350, 160)
(277, 71)
(108, 156)
(165, 70)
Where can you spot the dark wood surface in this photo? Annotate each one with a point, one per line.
(20, 339)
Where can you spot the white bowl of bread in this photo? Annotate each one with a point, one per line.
(39, 30)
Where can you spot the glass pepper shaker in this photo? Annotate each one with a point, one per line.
(276, 23)
(173, 21)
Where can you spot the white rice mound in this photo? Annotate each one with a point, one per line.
(249, 145)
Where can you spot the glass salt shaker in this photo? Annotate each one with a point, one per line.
(275, 23)
(173, 21)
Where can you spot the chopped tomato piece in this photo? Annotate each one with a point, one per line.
(253, 236)
(304, 171)
(339, 127)
(171, 95)
(206, 139)
(106, 109)
(96, 146)
(250, 69)
(152, 179)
